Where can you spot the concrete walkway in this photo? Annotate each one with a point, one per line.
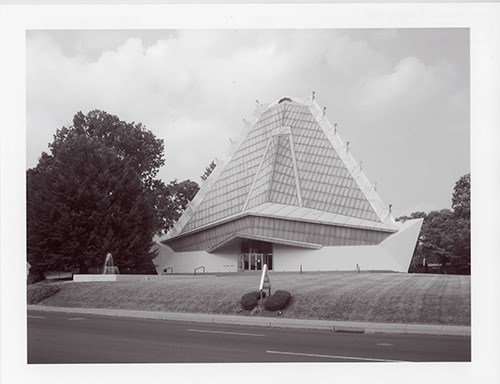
(277, 322)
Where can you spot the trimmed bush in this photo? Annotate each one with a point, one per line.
(278, 301)
(249, 300)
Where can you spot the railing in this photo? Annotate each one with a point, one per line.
(196, 269)
(165, 271)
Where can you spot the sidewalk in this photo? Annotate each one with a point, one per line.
(335, 326)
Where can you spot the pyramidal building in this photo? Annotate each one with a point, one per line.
(291, 196)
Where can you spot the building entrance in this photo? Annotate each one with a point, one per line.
(254, 254)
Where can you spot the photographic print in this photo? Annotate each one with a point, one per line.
(227, 153)
(218, 193)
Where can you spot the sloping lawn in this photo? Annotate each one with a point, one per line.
(373, 297)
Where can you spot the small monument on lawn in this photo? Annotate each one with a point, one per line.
(109, 268)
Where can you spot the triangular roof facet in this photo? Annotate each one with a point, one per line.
(291, 155)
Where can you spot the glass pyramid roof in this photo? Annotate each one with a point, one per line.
(291, 156)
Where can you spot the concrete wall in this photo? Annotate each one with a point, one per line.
(186, 262)
(332, 259)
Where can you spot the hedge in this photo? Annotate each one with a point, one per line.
(278, 301)
(249, 300)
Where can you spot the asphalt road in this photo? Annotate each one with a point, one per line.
(64, 338)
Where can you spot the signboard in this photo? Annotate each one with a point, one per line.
(265, 283)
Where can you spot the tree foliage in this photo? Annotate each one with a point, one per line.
(128, 140)
(86, 201)
(97, 192)
(460, 201)
(172, 200)
(445, 235)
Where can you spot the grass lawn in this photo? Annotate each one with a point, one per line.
(349, 296)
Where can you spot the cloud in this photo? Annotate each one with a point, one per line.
(410, 85)
(193, 88)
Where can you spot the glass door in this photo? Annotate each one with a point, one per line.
(254, 254)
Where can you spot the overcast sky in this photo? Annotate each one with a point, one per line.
(399, 96)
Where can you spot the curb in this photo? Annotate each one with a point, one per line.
(335, 326)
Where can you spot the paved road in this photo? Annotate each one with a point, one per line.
(72, 338)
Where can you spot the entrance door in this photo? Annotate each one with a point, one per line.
(254, 254)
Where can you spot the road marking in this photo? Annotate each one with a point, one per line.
(385, 344)
(76, 318)
(226, 333)
(333, 357)
(36, 317)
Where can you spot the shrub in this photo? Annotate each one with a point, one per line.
(39, 292)
(278, 301)
(249, 300)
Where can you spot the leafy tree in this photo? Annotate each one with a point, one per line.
(460, 201)
(144, 152)
(182, 193)
(445, 234)
(84, 201)
(173, 200)
(208, 170)
(438, 235)
(129, 140)
(414, 215)
(461, 211)
(96, 193)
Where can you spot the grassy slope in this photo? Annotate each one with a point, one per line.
(375, 297)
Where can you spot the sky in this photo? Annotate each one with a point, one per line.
(399, 96)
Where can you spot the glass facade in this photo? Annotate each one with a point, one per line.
(262, 170)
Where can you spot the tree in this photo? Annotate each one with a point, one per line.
(182, 193)
(445, 234)
(437, 236)
(460, 201)
(461, 211)
(83, 202)
(173, 200)
(96, 193)
(413, 215)
(129, 140)
(144, 152)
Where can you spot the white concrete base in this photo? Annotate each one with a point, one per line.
(89, 278)
(187, 262)
(393, 254)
